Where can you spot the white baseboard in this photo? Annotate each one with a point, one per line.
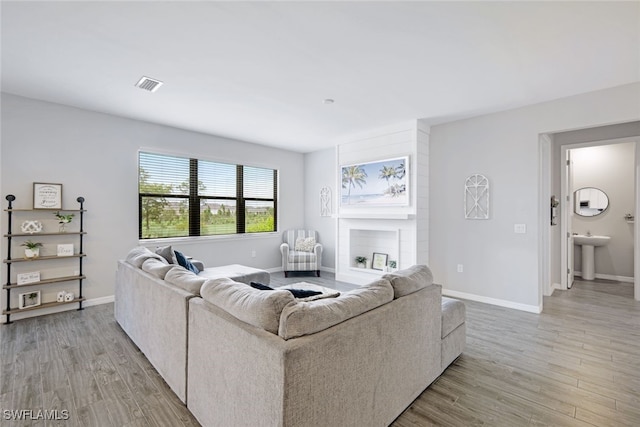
(493, 301)
(613, 277)
(59, 309)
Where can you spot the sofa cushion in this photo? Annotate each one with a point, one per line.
(453, 315)
(167, 253)
(156, 267)
(304, 318)
(411, 280)
(185, 279)
(140, 254)
(253, 306)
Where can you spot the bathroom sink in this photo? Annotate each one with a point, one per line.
(581, 239)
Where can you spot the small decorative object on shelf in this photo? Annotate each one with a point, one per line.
(45, 196)
(63, 220)
(65, 249)
(32, 249)
(31, 227)
(361, 261)
(379, 261)
(392, 266)
(31, 277)
(29, 299)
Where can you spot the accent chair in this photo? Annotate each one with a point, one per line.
(301, 251)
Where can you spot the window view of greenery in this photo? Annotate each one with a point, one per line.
(181, 197)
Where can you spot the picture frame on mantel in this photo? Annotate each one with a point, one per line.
(378, 183)
(379, 261)
(47, 196)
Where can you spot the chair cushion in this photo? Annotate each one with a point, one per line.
(305, 244)
(301, 257)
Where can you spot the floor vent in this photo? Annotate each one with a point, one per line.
(147, 83)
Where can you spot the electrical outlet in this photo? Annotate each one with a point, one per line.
(460, 268)
(520, 228)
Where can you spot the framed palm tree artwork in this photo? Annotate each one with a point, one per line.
(378, 183)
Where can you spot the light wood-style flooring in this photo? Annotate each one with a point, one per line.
(577, 363)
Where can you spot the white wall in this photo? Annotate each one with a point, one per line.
(499, 265)
(320, 171)
(611, 169)
(95, 155)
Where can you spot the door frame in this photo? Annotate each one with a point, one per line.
(564, 214)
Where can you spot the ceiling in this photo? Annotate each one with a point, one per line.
(259, 71)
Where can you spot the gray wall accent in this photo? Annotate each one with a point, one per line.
(611, 169)
(95, 155)
(320, 171)
(499, 264)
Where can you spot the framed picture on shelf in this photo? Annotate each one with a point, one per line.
(379, 261)
(47, 196)
(29, 299)
(31, 277)
(65, 249)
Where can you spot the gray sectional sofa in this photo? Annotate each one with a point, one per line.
(240, 356)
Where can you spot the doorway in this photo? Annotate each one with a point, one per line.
(555, 244)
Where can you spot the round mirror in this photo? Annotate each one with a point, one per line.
(590, 201)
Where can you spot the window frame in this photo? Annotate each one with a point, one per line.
(194, 200)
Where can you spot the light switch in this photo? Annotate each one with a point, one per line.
(520, 228)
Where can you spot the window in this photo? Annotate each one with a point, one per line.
(180, 197)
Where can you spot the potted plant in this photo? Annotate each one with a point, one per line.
(361, 261)
(32, 249)
(63, 220)
(392, 266)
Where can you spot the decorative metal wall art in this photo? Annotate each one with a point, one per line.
(325, 201)
(476, 197)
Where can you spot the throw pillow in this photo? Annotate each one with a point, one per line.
(166, 252)
(297, 293)
(183, 261)
(305, 244)
(260, 286)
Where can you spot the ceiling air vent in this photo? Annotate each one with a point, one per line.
(147, 83)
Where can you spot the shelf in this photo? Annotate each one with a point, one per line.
(368, 271)
(42, 258)
(32, 235)
(45, 282)
(37, 307)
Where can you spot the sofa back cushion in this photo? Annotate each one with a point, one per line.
(253, 306)
(140, 254)
(304, 318)
(410, 280)
(156, 267)
(185, 279)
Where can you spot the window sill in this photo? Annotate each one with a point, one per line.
(207, 239)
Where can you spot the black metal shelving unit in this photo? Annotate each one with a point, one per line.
(9, 261)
